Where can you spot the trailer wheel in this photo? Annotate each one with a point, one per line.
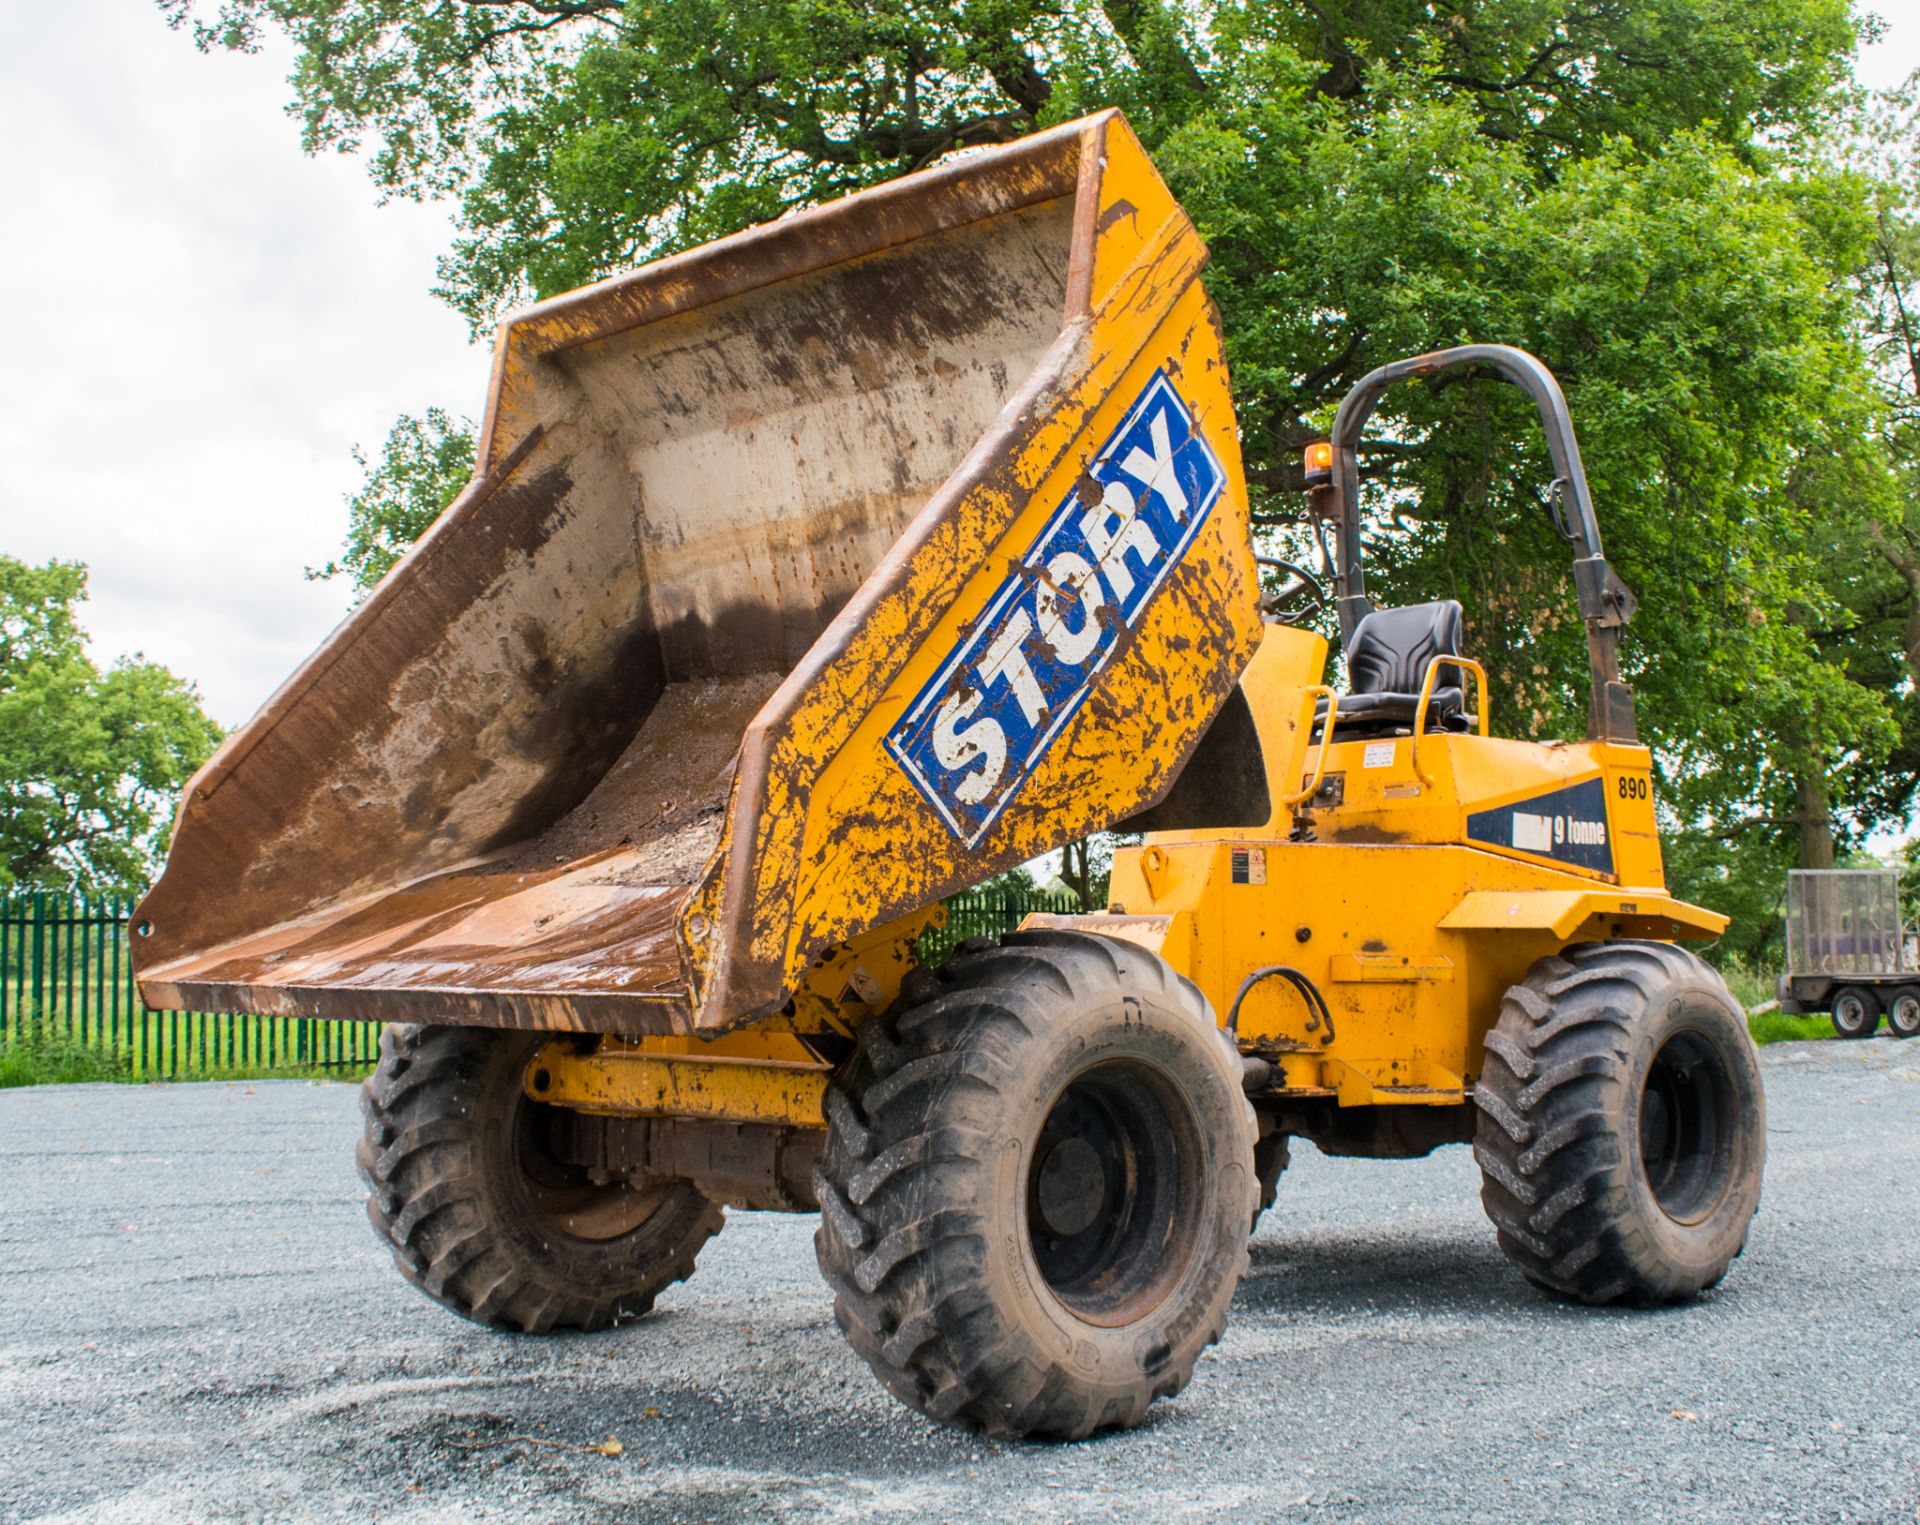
(481, 1214)
(1622, 1127)
(1903, 1012)
(1036, 1187)
(1856, 1012)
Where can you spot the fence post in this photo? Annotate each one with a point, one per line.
(39, 962)
(7, 1002)
(66, 924)
(110, 972)
(86, 968)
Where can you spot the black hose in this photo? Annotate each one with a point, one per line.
(1309, 992)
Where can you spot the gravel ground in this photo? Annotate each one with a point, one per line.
(196, 1324)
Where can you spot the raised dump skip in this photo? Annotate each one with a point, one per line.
(610, 750)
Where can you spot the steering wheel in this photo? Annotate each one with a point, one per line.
(1299, 600)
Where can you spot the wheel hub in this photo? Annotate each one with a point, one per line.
(565, 1197)
(1686, 1114)
(1071, 1187)
(1903, 1015)
(1113, 1193)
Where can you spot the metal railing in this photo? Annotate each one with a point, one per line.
(1844, 921)
(988, 913)
(66, 977)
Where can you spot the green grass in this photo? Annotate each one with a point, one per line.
(1751, 987)
(57, 1061)
(157, 1046)
(1777, 1027)
(40, 1061)
(71, 1040)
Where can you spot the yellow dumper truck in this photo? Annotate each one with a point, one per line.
(811, 576)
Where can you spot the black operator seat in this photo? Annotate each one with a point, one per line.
(1386, 664)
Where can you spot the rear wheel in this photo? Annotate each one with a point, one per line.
(1622, 1126)
(485, 1216)
(1903, 1012)
(1856, 1012)
(1036, 1187)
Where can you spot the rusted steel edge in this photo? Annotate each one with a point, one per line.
(164, 973)
(633, 1016)
(1086, 216)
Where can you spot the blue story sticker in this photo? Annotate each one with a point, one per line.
(1021, 670)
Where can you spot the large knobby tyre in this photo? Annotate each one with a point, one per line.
(480, 1213)
(1037, 1185)
(1856, 1012)
(1903, 1012)
(1622, 1130)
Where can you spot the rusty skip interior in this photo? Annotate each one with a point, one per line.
(492, 789)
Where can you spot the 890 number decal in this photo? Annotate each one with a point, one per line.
(1633, 787)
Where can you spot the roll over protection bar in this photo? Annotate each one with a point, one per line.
(1605, 602)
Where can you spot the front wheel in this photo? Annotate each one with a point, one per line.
(1903, 1012)
(1622, 1127)
(485, 1215)
(1856, 1013)
(1036, 1187)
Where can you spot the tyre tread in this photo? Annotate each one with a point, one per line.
(1550, 1097)
(902, 1265)
(417, 1156)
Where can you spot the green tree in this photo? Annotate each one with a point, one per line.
(1644, 194)
(1086, 867)
(1883, 145)
(422, 467)
(581, 135)
(91, 762)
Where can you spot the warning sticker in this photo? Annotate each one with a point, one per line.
(1379, 754)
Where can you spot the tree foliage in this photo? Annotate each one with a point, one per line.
(91, 762)
(1884, 149)
(422, 467)
(581, 135)
(1683, 206)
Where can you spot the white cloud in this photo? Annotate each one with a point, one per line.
(1889, 61)
(202, 322)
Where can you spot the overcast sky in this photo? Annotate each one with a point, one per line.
(201, 324)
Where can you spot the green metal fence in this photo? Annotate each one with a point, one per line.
(66, 976)
(988, 913)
